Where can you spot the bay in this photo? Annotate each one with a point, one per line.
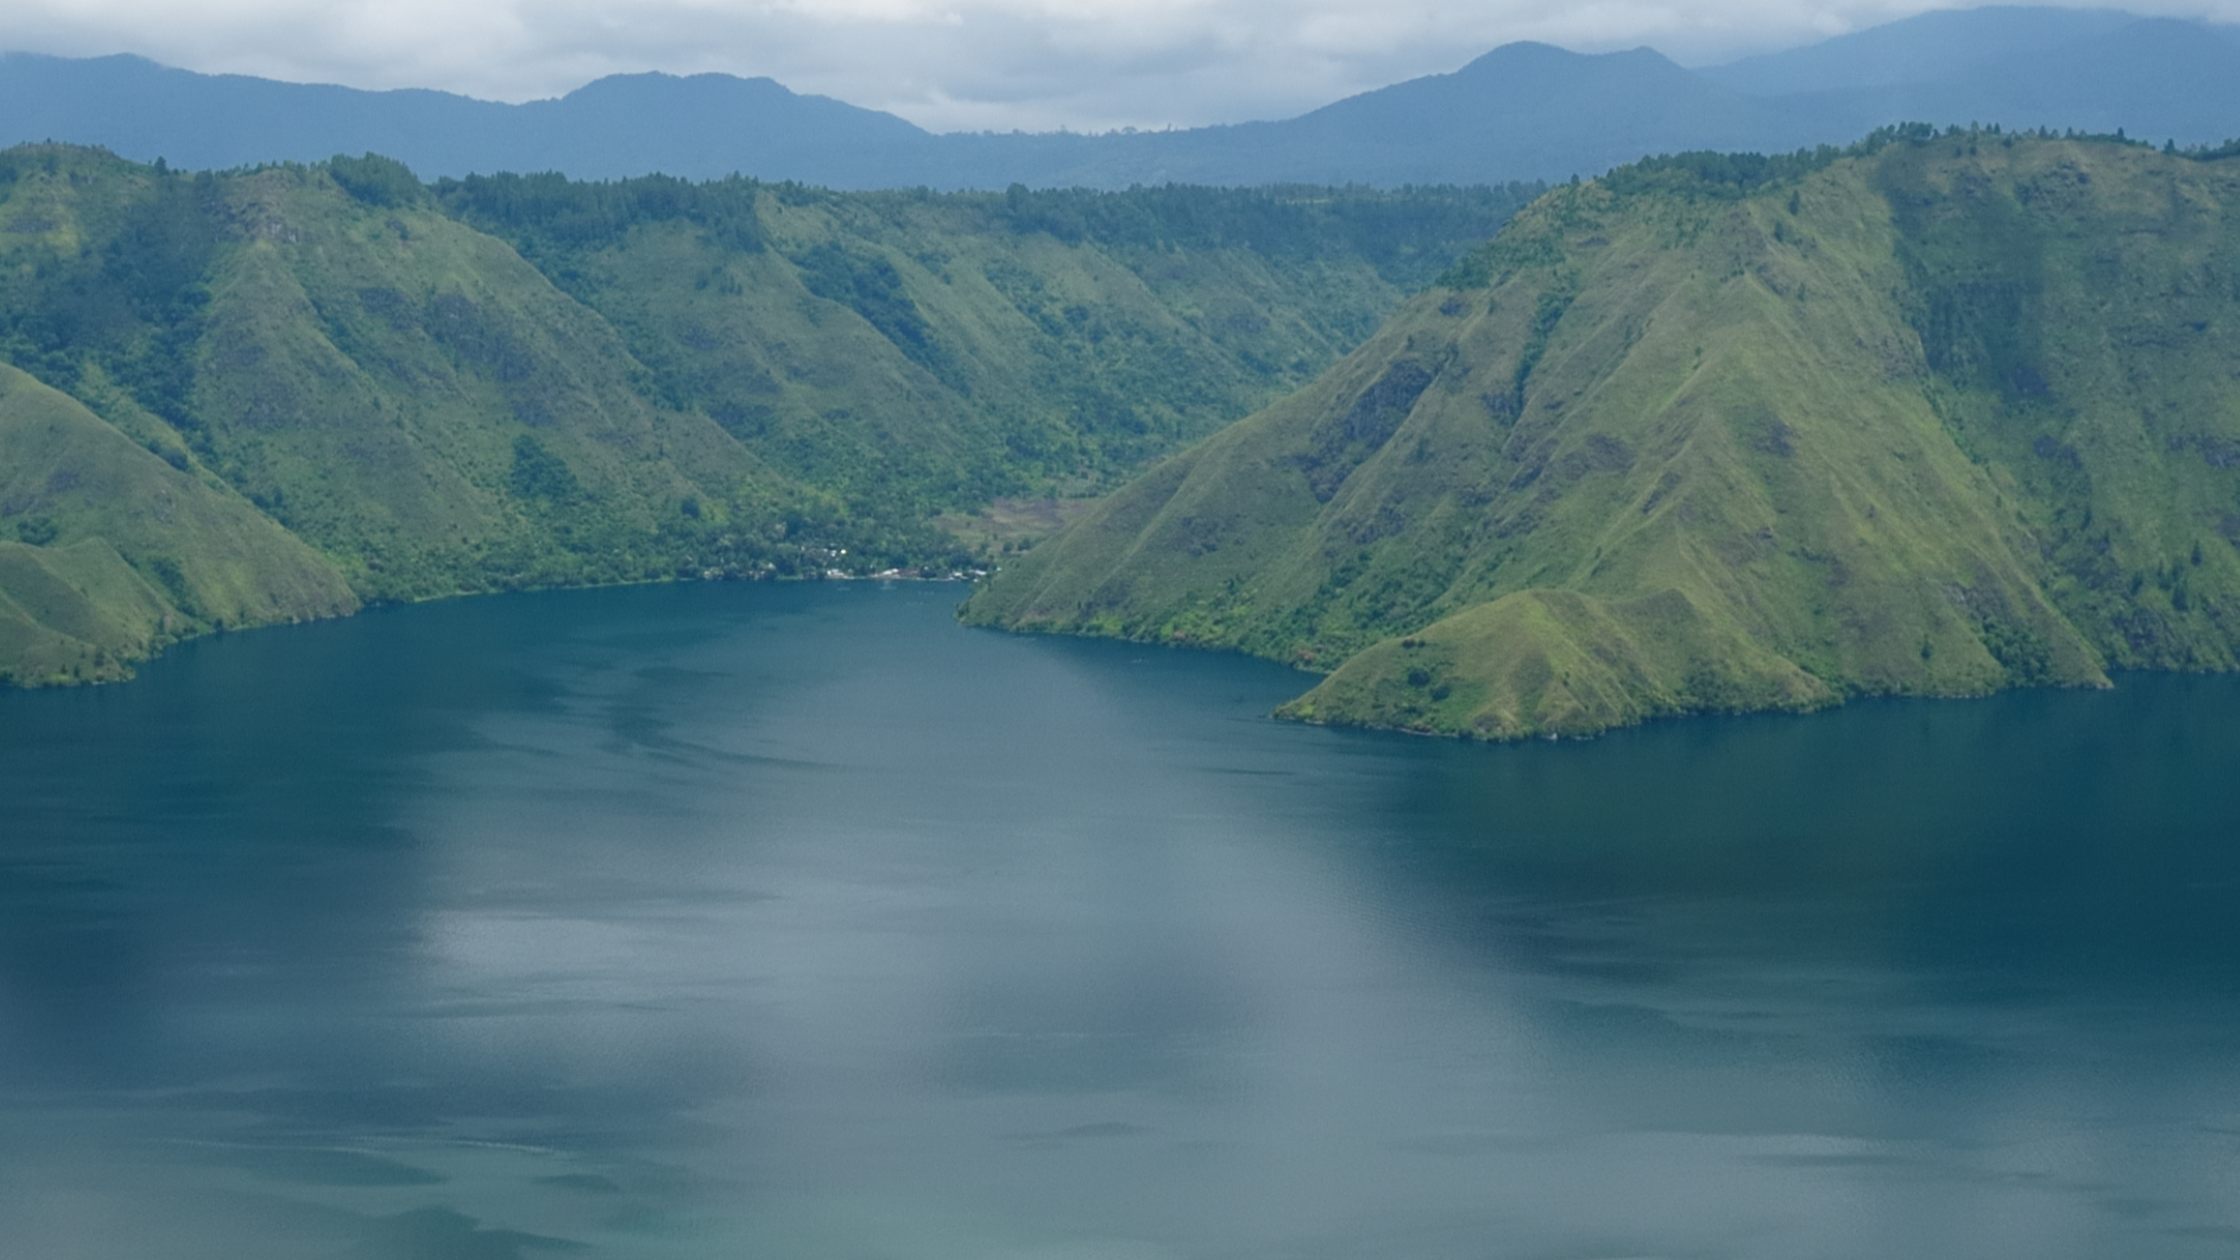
(724, 920)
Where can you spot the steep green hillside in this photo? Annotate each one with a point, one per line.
(400, 392)
(907, 349)
(1938, 415)
(107, 552)
(629, 382)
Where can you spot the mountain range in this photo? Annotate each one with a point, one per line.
(1945, 412)
(276, 394)
(1521, 112)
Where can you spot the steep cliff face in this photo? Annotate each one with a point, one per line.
(1940, 415)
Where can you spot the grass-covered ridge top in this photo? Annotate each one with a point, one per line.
(1938, 414)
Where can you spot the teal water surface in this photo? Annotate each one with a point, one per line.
(797, 921)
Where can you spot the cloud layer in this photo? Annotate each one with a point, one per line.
(944, 64)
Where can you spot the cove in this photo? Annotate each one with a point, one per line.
(757, 920)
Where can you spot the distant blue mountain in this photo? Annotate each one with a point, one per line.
(703, 126)
(1932, 47)
(2156, 79)
(2087, 69)
(1522, 111)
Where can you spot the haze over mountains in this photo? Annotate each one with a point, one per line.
(1523, 111)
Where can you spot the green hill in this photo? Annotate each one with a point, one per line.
(1936, 415)
(400, 392)
(107, 553)
(290, 389)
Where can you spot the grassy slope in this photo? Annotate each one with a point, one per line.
(908, 350)
(1044, 360)
(412, 398)
(1666, 451)
(112, 552)
(399, 391)
(2078, 307)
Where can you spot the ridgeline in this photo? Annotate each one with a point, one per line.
(1938, 414)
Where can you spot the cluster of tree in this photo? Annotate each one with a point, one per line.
(549, 213)
(129, 301)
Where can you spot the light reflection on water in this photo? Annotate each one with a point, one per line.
(724, 921)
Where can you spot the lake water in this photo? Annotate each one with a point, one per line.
(797, 921)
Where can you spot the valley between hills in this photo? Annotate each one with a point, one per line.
(1940, 413)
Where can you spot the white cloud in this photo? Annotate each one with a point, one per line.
(945, 64)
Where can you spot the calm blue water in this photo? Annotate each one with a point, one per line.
(753, 921)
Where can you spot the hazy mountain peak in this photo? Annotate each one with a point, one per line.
(1530, 56)
(756, 101)
(1919, 49)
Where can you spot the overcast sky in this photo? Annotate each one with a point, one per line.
(944, 64)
